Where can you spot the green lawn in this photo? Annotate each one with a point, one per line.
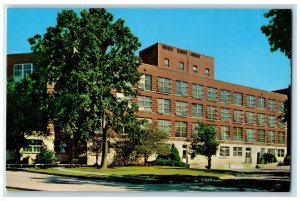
(133, 171)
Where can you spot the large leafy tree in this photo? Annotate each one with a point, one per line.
(205, 141)
(279, 30)
(279, 34)
(90, 58)
(26, 112)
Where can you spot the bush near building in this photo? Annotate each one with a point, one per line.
(267, 158)
(46, 157)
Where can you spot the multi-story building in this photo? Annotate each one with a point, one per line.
(178, 89)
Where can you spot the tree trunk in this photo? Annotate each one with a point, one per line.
(209, 162)
(104, 149)
(145, 159)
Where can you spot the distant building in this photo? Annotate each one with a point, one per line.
(178, 89)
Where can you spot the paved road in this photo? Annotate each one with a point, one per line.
(257, 181)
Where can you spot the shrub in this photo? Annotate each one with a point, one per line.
(287, 160)
(165, 162)
(267, 158)
(46, 157)
(174, 154)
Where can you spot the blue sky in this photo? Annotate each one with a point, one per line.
(233, 37)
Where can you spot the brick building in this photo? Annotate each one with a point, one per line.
(178, 89)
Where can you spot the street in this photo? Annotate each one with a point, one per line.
(250, 181)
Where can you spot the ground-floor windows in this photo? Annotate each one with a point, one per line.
(237, 151)
(280, 152)
(271, 151)
(181, 129)
(224, 151)
(34, 146)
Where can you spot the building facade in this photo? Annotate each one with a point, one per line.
(178, 89)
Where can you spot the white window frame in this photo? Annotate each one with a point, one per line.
(163, 85)
(250, 117)
(198, 91)
(224, 151)
(250, 135)
(237, 151)
(272, 121)
(145, 103)
(164, 125)
(238, 98)
(181, 129)
(181, 108)
(197, 110)
(237, 134)
(225, 133)
(271, 137)
(181, 88)
(261, 103)
(250, 101)
(225, 96)
(22, 71)
(163, 106)
(225, 114)
(212, 94)
(211, 112)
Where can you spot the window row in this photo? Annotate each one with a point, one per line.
(249, 135)
(261, 135)
(164, 86)
(226, 115)
(181, 67)
(20, 70)
(238, 151)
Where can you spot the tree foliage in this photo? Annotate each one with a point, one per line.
(151, 142)
(26, 111)
(45, 157)
(205, 141)
(279, 30)
(90, 58)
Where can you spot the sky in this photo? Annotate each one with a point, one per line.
(232, 36)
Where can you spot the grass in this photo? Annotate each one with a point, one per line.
(159, 173)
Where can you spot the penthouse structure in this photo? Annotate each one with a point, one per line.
(178, 89)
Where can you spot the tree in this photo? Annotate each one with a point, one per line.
(91, 59)
(279, 30)
(151, 142)
(26, 112)
(46, 157)
(205, 141)
(279, 34)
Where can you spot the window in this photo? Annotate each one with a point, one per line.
(250, 117)
(261, 103)
(280, 152)
(206, 72)
(272, 105)
(272, 121)
(195, 69)
(181, 88)
(146, 82)
(194, 126)
(271, 137)
(164, 85)
(271, 151)
(281, 124)
(211, 94)
(181, 129)
(211, 112)
(238, 116)
(197, 110)
(237, 151)
(34, 146)
(163, 106)
(197, 91)
(181, 108)
(20, 70)
(280, 106)
(251, 101)
(145, 103)
(249, 135)
(164, 125)
(224, 151)
(262, 150)
(225, 133)
(261, 119)
(237, 134)
(281, 138)
(181, 66)
(166, 62)
(238, 98)
(225, 96)
(261, 137)
(225, 114)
